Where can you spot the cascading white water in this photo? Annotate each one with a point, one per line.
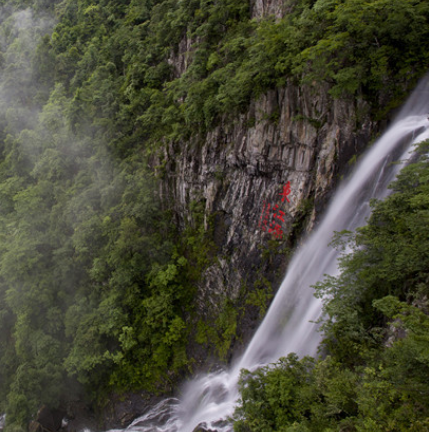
(289, 323)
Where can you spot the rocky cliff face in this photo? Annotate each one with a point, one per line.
(262, 8)
(295, 135)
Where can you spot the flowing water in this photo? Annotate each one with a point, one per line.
(289, 324)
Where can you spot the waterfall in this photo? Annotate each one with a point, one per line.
(289, 324)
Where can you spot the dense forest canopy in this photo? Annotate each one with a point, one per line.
(96, 286)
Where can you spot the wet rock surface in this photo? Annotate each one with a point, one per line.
(120, 411)
(78, 417)
(203, 428)
(47, 420)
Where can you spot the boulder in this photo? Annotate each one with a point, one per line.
(202, 427)
(50, 419)
(47, 420)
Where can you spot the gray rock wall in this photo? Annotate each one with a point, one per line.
(263, 8)
(296, 135)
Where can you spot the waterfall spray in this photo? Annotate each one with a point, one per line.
(289, 324)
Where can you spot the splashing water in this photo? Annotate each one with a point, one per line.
(289, 325)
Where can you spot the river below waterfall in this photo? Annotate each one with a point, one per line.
(208, 400)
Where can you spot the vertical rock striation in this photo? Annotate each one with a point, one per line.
(263, 8)
(295, 134)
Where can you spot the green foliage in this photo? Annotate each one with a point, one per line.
(94, 286)
(122, 62)
(218, 334)
(374, 34)
(389, 258)
(261, 296)
(295, 395)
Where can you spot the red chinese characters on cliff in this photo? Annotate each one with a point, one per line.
(286, 192)
(277, 215)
